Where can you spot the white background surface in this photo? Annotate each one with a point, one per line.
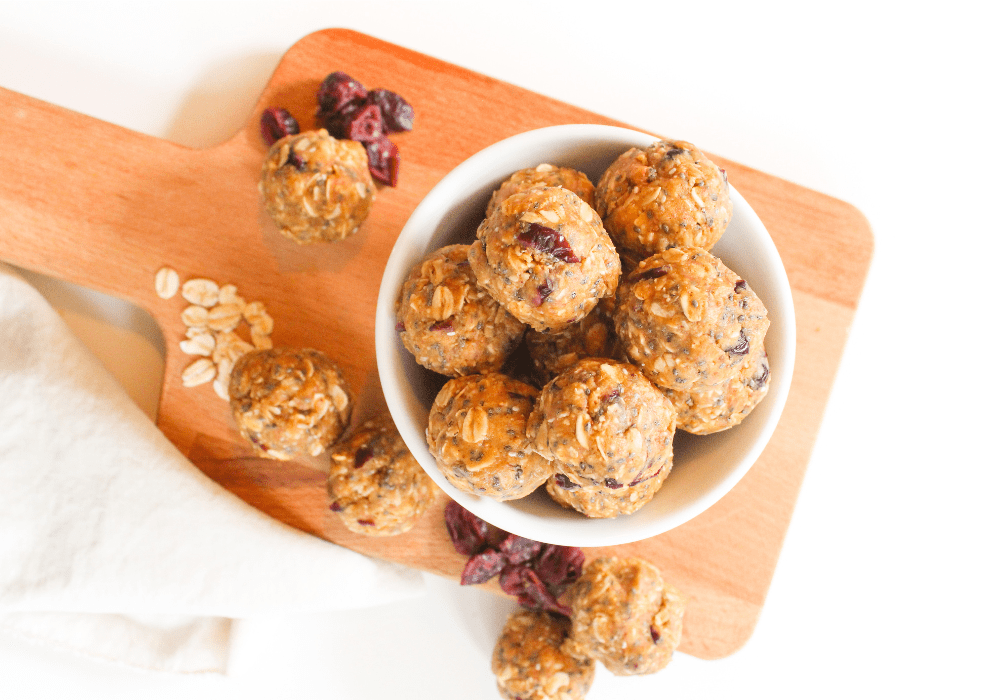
(886, 586)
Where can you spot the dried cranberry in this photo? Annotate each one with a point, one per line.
(365, 521)
(651, 273)
(383, 160)
(521, 581)
(364, 124)
(336, 507)
(564, 482)
(725, 177)
(337, 90)
(542, 292)
(548, 240)
(740, 285)
(742, 347)
(400, 326)
(558, 565)
(336, 122)
(467, 532)
(396, 112)
(519, 549)
(640, 478)
(276, 123)
(612, 483)
(759, 381)
(363, 455)
(654, 633)
(674, 152)
(482, 567)
(611, 395)
(442, 326)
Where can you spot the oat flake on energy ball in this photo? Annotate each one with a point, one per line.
(664, 195)
(696, 330)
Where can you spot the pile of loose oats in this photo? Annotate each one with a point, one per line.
(214, 315)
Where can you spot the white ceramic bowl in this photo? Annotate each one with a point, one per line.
(706, 467)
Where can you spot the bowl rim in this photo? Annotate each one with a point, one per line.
(426, 218)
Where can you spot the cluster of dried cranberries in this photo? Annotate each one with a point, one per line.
(533, 572)
(348, 111)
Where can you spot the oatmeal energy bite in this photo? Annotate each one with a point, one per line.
(529, 662)
(664, 195)
(697, 331)
(375, 485)
(609, 432)
(316, 187)
(289, 402)
(625, 616)
(448, 322)
(476, 433)
(543, 175)
(544, 255)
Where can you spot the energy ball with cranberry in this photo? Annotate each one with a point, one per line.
(529, 661)
(543, 175)
(375, 485)
(594, 336)
(316, 187)
(289, 402)
(476, 432)
(625, 616)
(449, 324)
(697, 331)
(609, 433)
(544, 255)
(665, 195)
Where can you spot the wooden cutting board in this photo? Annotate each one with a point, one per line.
(104, 207)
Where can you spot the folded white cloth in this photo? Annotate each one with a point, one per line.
(112, 543)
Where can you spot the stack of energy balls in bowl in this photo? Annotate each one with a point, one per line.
(633, 328)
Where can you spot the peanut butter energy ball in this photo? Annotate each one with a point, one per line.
(544, 255)
(625, 616)
(476, 433)
(316, 187)
(610, 434)
(530, 664)
(544, 175)
(289, 402)
(449, 324)
(697, 331)
(664, 195)
(375, 485)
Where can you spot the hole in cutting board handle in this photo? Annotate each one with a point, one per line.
(124, 337)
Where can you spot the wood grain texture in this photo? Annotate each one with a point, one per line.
(95, 204)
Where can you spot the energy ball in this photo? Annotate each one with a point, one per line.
(544, 255)
(316, 187)
(529, 662)
(289, 402)
(610, 434)
(476, 433)
(665, 195)
(375, 485)
(544, 175)
(625, 616)
(594, 336)
(697, 331)
(449, 324)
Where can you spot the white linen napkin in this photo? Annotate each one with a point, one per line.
(112, 543)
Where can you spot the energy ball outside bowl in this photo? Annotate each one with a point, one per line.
(375, 485)
(544, 175)
(625, 616)
(544, 255)
(696, 330)
(289, 402)
(316, 187)
(609, 433)
(665, 195)
(530, 664)
(448, 322)
(476, 432)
